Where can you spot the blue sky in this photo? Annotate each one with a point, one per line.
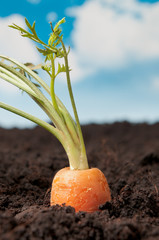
(114, 57)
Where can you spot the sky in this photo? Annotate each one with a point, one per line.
(114, 57)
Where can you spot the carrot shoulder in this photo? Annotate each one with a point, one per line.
(84, 190)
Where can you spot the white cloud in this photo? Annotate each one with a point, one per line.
(110, 33)
(155, 83)
(51, 17)
(34, 1)
(15, 46)
(76, 73)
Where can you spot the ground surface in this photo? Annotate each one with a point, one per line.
(127, 154)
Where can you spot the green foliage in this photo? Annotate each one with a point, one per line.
(61, 68)
(25, 77)
(50, 51)
(53, 43)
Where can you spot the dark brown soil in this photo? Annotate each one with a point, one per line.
(128, 154)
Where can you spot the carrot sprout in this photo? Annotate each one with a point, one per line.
(65, 128)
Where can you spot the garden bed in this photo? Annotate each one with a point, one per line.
(128, 154)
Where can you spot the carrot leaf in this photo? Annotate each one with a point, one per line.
(25, 77)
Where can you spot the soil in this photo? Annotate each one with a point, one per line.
(128, 154)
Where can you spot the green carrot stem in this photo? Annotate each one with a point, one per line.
(67, 131)
(34, 119)
(83, 149)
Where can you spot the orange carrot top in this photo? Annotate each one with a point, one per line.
(84, 190)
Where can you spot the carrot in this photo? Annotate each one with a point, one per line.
(81, 187)
(84, 190)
